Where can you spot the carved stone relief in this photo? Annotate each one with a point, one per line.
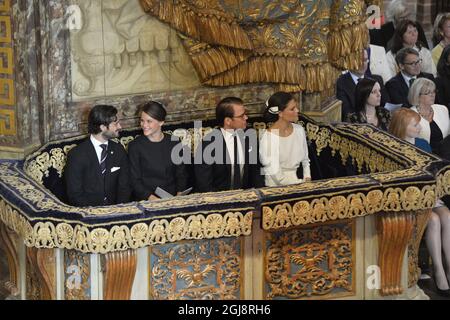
(125, 51)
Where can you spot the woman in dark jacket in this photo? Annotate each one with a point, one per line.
(443, 79)
(151, 161)
(367, 105)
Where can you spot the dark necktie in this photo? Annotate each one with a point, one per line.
(411, 81)
(236, 166)
(103, 158)
(103, 169)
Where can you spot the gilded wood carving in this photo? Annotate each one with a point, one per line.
(310, 262)
(210, 269)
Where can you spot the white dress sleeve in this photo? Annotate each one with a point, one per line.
(304, 151)
(427, 62)
(391, 64)
(269, 151)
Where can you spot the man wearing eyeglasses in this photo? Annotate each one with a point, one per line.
(227, 157)
(410, 66)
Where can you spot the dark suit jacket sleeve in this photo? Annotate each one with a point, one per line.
(394, 91)
(73, 173)
(139, 189)
(203, 172)
(342, 95)
(123, 186)
(181, 172)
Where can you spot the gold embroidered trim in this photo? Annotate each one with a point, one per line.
(123, 237)
(359, 204)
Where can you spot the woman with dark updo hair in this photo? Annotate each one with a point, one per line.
(151, 163)
(283, 146)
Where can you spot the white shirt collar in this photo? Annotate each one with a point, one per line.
(407, 78)
(227, 134)
(97, 143)
(355, 77)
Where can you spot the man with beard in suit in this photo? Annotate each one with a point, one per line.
(227, 159)
(346, 86)
(97, 169)
(409, 62)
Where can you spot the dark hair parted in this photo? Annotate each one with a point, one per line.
(154, 109)
(443, 69)
(397, 40)
(279, 99)
(101, 114)
(402, 53)
(362, 93)
(224, 108)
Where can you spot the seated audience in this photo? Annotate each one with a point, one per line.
(346, 85)
(410, 66)
(443, 79)
(283, 146)
(396, 12)
(150, 156)
(406, 37)
(405, 124)
(441, 35)
(226, 158)
(96, 172)
(367, 105)
(434, 121)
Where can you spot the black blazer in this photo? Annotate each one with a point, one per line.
(398, 88)
(442, 91)
(345, 91)
(84, 181)
(217, 176)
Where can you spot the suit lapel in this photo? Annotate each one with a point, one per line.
(92, 158)
(350, 87)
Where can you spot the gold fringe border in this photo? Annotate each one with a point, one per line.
(214, 27)
(346, 44)
(324, 209)
(121, 237)
(282, 70)
(213, 61)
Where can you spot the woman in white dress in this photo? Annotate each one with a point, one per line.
(435, 123)
(406, 35)
(283, 146)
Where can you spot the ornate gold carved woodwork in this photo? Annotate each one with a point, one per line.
(8, 243)
(296, 44)
(120, 269)
(394, 232)
(77, 275)
(207, 269)
(420, 224)
(41, 274)
(315, 261)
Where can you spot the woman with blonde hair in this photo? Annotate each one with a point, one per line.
(435, 124)
(405, 124)
(434, 120)
(441, 35)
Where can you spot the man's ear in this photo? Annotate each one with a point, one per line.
(401, 66)
(103, 127)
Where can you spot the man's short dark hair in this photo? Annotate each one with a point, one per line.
(224, 108)
(402, 53)
(101, 114)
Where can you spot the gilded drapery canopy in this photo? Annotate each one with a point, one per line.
(298, 44)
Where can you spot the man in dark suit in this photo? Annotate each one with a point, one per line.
(97, 169)
(409, 62)
(227, 159)
(346, 86)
